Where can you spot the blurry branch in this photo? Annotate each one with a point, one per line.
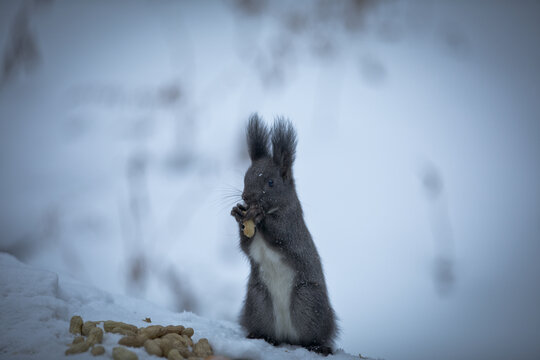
(372, 70)
(340, 15)
(184, 300)
(143, 266)
(143, 262)
(169, 97)
(22, 52)
(251, 7)
(164, 96)
(432, 182)
(321, 29)
(139, 209)
(443, 270)
(454, 40)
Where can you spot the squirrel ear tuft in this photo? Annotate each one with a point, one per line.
(284, 146)
(257, 136)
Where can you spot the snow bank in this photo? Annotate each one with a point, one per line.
(37, 306)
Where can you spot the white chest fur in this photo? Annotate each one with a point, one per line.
(278, 278)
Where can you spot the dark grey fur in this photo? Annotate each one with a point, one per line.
(285, 231)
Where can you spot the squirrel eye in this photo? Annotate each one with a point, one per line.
(270, 182)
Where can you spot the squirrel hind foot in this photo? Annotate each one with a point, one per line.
(323, 350)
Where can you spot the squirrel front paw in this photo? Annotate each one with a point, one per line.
(242, 213)
(256, 214)
(239, 213)
(245, 219)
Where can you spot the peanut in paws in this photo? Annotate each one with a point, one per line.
(248, 227)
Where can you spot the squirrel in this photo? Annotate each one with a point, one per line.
(287, 299)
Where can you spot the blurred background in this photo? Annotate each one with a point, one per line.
(122, 152)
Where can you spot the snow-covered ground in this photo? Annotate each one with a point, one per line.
(122, 152)
(37, 306)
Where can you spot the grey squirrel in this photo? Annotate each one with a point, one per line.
(287, 299)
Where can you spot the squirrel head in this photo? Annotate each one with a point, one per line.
(269, 181)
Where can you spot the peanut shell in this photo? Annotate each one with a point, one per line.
(95, 336)
(249, 228)
(97, 350)
(75, 325)
(78, 340)
(110, 325)
(133, 340)
(174, 355)
(202, 348)
(121, 353)
(153, 331)
(78, 348)
(152, 347)
(177, 329)
(87, 326)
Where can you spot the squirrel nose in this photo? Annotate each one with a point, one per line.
(247, 197)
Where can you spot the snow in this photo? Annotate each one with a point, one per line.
(418, 158)
(37, 306)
